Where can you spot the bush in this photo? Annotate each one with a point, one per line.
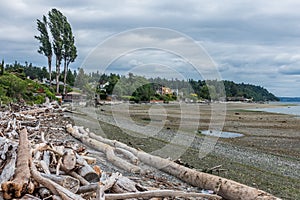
(13, 88)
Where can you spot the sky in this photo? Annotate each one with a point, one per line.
(250, 41)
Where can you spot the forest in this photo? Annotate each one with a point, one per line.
(131, 87)
(138, 88)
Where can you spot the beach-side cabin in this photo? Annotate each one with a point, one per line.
(75, 98)
(240, 99)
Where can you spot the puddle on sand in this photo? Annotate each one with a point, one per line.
(223, 134)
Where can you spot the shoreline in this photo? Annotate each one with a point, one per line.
(267, 156)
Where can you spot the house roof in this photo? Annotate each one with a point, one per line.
(74, 93)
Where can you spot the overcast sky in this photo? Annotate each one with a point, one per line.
(249, 41)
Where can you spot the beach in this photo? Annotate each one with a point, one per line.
(267, 156)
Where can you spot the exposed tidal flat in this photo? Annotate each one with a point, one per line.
(267, 156)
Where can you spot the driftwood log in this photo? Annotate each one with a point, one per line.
(83, 136)
(226, 188)
(86, 171)
(21, 182)
(8, 158)
(67, 182)
(55, 188)
(160, 193)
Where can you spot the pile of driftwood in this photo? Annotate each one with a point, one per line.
(39, 161)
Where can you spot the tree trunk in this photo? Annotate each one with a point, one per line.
(49, 68)
(65, 76)
(57, 75)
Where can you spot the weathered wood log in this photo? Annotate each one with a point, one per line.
(21, 183)
(44, 192)
(89, 160)
(100, 146)
(161, 193)
(29, 197)
(106, 185)
(226, 188)
(67, 182)
(44, 166)
(8, 155)
(128, 155)
(124, 185)
(88, 188)
(86, 171)
(69, 159)
(80, 178)
(32, 124)
(36, 111)
(46, 158)
(55, 188)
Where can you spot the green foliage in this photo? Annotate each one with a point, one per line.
(2, 68)
(14, 89)
(70, 78)
(131, 88)
(257, 93)
(141, 89)
(63, 43)
(82, 79)
(45, 47)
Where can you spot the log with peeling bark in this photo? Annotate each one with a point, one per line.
(226, 188)
(21, 182)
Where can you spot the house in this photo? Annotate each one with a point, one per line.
(75, 97)
(164, 90)
(240, 99)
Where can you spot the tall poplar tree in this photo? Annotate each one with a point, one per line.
(63, 42)
(56, 24)
(69, 50)
(45, 44)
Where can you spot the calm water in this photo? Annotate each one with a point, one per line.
(293, 107)
(223, 134)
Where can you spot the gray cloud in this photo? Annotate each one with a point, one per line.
(250, 41)
(290, 69)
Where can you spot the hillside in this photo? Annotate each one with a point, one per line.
(257, 93)
(14, 87)
(139, 88)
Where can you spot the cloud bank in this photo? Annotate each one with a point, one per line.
(250, 41)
